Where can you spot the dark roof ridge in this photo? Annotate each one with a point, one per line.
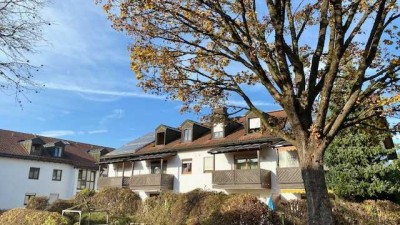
(195, 122)
(57, 139)
(169, 127)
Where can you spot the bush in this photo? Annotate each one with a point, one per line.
(38, 203)
(119, 202)
(32, 217)
(204, 208)
(59, 205)
(245, 209)
(295, 212)
(368, 212)
(158, 210)
(84, 199)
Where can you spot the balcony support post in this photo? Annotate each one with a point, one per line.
(132, 164)
(259, 164)
(161, 173)
(213, 162)
(108, 169)
(161, 165)
(234, 171)
(99, 170)
(123, 169)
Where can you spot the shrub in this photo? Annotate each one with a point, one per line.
(158, 210)
(119, 202)
(368, 212)
(84, 199)
(32, 217)
(38, 203)
(245, 209)
(204, 208)
(59, 205)
(295, 212)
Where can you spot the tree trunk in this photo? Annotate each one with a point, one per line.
(318, 204)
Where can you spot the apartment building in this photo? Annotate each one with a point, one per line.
(232, 156)
(33, 165)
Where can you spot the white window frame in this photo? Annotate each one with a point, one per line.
(254, 123)
(218, 130)
(57, 151)
(187, 135)
(189, 162)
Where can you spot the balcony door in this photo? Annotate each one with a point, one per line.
(156, 167)
(246, 162)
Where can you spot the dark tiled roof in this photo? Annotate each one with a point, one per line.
(236, 137)
(75, 153)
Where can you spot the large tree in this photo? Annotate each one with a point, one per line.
(21, 27)
(297, 50)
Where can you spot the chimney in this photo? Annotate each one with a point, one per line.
(220, 114)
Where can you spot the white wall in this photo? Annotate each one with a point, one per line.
(15, 183)
(200, 179)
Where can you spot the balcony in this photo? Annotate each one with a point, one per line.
(112, 182)
(289, 178)
(241, 179)
(157, 182)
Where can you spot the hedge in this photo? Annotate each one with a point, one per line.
(32, 217)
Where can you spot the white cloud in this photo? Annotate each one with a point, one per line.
(116, 114)
(97, 131)
(57, 133)
(110, 93)
(242, 103)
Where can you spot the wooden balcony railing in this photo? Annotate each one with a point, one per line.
(152, 182)
(289, 178)
(241, 179)
(112, 182)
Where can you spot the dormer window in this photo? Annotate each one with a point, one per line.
(254, 125)
(191, 130)
(36, 148)
(187, 135)
(160, 138)
(57, 151)
(165, 135)
(218, 130)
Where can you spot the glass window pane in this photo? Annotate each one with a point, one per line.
(253, 163)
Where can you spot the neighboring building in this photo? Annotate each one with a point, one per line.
(232, 156)
(33, 165)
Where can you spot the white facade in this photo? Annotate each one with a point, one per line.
(15, 182)
(198, 178)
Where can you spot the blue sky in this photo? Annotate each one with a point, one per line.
(90, 93)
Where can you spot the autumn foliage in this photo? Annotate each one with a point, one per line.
(204, 52)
